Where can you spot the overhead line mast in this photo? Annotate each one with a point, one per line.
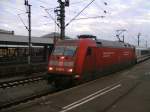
(28, 7)
(139, 34)
(60, 11)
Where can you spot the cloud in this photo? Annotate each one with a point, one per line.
(133, 15)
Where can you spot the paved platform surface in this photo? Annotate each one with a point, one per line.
(125, 91)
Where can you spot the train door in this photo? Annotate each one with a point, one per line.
(89, 64)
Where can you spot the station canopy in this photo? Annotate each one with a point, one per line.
(10, 39)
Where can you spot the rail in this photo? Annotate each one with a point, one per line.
(14, 83)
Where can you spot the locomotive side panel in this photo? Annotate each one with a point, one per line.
(101, 61)
(112, 59)
(107, 59)
(124, 57)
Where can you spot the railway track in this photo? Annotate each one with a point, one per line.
(28, 81)
(26, 98)
(21, 81)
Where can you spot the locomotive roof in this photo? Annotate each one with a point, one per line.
(100, 43)
(105, 43)
(108, 43)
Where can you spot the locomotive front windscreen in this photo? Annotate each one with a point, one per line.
(64, 50)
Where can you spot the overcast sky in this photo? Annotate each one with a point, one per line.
(132, 15)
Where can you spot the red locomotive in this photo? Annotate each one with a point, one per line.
(87, 58)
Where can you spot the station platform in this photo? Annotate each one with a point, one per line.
(125, 91)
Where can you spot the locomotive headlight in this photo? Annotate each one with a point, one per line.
(50, 68)
(70, 70)
(62, 57)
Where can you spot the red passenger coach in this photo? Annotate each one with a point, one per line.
(87, 58)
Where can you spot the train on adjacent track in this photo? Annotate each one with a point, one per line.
(87, 58)
(142, 53)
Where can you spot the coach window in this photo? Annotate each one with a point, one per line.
(89, 51)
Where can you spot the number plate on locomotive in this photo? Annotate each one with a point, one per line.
(59, 69)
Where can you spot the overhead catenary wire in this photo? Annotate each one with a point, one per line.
(105, 3)
(46, 10)
(80, 12)
(75, 12)
(46, 7)
(12, 7)
(22, 21)
(42, 1)
(79, 2)
(18, 16)
(98, 6)
(95, 17)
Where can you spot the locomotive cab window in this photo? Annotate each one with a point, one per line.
(58, 50)
(64, 50)
(70, 50)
